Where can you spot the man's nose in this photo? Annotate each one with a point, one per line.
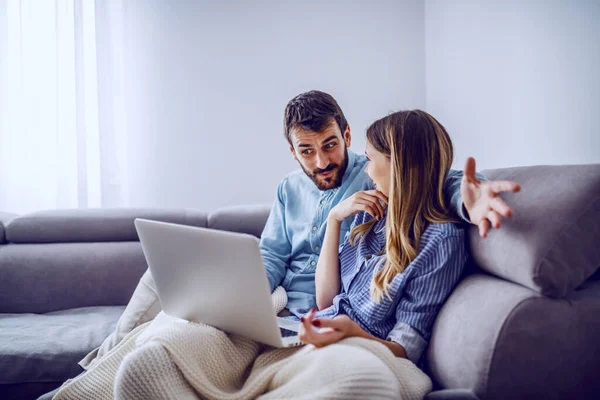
(322, 160)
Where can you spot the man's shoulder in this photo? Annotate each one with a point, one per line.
(295, 181)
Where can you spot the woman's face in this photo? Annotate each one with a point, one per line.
(378, 168)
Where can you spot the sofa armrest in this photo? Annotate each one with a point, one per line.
(5, 218)
(506, 341)
(92, 225)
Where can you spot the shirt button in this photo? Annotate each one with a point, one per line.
(314, 228)
(317, 248)
(322, 202)
(312, 263)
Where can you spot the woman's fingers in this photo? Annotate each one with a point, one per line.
(306, 330)
(373, 202)
(378, 194)
(368, 207)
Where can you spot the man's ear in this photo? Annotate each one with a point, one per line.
(347, 136)
(293, 152)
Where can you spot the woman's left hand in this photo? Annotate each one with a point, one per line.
(331, 330)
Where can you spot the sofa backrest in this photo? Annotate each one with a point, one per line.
(63, 259)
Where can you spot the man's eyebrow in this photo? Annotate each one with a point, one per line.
(329, 139)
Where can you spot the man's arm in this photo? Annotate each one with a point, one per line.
(275, 247)
(476, 200)
(453, 194)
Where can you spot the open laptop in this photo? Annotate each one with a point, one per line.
(214, 277)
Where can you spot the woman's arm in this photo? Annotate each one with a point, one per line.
(327, 275)
(396, 348)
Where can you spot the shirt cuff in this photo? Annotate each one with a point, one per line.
(414, 344)
(463, 213)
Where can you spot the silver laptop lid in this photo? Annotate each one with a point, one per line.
(211, 276)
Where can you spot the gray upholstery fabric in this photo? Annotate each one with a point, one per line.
(4, 219)
(27, 391)
(47, 277)
(451, 394)
(551, 244)
(46, 347)
(502, 341)
(244, 219)
(92, 225)
(48, 395)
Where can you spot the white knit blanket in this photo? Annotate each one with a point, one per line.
(188, 360)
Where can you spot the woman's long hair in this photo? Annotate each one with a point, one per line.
(420, 153)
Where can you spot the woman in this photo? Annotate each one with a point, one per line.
(398, 264)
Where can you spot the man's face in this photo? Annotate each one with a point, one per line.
(322, 155)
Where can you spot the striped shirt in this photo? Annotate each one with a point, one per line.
(417, 294)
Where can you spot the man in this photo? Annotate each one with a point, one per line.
(319, 137)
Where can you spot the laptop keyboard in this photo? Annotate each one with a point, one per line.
(287, 332)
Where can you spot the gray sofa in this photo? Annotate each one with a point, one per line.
(522, 324)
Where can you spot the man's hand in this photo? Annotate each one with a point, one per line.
(331, 330)
(482, 199)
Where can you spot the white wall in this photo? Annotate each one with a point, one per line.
(208, 82)
(516, 82)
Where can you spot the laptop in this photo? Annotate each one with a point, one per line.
(214, 277)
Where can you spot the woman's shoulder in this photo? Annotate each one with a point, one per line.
(442, 237)
(444, 230)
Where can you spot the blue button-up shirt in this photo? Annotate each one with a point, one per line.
(293, 235)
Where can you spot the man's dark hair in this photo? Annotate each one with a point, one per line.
(312, 111)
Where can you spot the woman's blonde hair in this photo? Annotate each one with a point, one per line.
(420, 153)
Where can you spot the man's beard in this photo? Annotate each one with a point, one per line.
(332, 181)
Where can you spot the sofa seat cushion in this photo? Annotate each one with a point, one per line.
(47, 347)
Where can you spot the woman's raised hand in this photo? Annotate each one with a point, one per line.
(367, 200)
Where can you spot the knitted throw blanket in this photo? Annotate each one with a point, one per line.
(186, 360)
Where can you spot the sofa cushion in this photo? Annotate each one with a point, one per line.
(5, 218)
(47, 347)
(40, 278)
(92, 225)
(506, 341)
(143, 306)
(551, 243)
(244, 219)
